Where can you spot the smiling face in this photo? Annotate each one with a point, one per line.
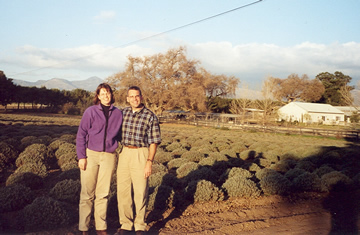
(134, 98)
(104, 97)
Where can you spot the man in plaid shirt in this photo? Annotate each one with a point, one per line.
(140, 137)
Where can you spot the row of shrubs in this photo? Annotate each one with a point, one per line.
(192, 165)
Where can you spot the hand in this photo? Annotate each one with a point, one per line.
(82, 164)
(148, 167)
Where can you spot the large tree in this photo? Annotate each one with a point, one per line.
(7, 90)
(335, 86)
(295, 88)
(172, 81)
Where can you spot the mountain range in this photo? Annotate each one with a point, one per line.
(89, 84)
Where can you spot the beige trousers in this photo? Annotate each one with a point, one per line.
(130, 179)
(95, 188)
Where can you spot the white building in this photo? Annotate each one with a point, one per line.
(311, 113)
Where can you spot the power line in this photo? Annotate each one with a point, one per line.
(146, 38)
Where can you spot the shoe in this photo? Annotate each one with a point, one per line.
(139, 232)
(122, 232)
(101, 232)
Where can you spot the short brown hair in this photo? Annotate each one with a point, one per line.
(134, 88)
(97, 92)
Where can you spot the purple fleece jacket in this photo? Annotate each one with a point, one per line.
(92, 129)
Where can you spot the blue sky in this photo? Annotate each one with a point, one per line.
(78, 39)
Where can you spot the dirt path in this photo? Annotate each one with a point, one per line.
(266, 215)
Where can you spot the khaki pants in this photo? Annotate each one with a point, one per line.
(95, 188)
(130, 177)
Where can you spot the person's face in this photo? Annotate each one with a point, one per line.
(104, 97)
(134, 98)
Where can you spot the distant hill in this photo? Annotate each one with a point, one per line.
(89, 84)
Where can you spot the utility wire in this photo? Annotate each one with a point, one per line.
(146, 38)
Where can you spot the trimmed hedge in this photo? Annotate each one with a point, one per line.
(203, 191)
(14, 197)
(46, 213)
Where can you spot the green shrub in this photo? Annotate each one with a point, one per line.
(193, 156)
(252, 167)
(30, 140)
(218, 156)
(200, 143)
(73, 174)
(161, 198)
(203, 191)
(284, 165)
(158, 168)
(54, 145)
(238, 147)
(65, 148)
(202, 173)
(262, 162)
(176, 163)
(163, 157)
(205, 149)
(13, 142)
(247, 154)
(229, 153)
(35, 154)
(14, 197)
(306, 165)
(67, 191)
(335, 180)
(237, 171)
(156, 179)
(37, 168)
(178, 152)
(27, 179)
(309, 182)
(3, 162)
(9, 152)
(186, 168)
(173, 146)
(67, 158)
(275, 184)
(222, 146)
(69, 166)
(69, 138)
(46, 213)
(293, 173)
(220, 167)
(264, 173)
(323, 170)
(272, 155)
(238, 186)
(208, 161)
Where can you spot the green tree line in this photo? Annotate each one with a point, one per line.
(50, 100)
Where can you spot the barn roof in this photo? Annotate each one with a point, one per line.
(318, 108)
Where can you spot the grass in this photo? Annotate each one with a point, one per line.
(194, 158)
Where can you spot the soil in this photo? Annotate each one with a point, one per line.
(309, 213)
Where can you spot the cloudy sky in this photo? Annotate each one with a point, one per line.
(248, 39)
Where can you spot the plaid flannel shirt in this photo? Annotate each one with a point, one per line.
(140, 128)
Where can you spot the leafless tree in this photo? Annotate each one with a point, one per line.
(171, 81)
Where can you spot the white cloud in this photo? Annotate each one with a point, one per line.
(252, 63)
(268, 59)
(105, 16)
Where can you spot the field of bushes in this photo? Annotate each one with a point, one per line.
(40, 184)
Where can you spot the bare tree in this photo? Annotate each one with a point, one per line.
(295, 88)
(241, 106)
(171, 81)
(267, 104)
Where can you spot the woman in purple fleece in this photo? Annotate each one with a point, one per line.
(96, 143)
